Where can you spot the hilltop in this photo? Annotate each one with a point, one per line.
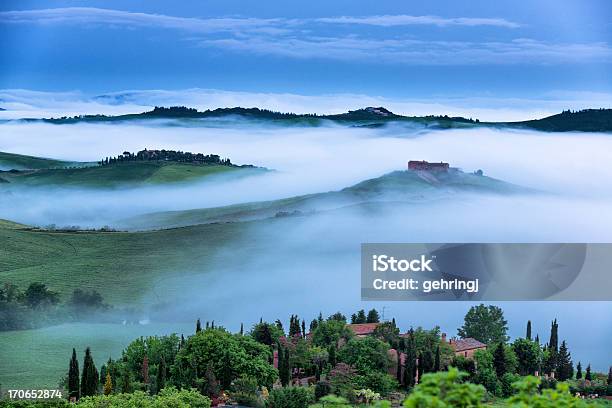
(588, 120)
(147, 167)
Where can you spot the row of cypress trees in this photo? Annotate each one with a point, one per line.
(87, 385)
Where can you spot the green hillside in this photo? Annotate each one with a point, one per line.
(121, 266)
(10, 161)
(402, 186)
(121, 174)
(125, 265)
(587, 120)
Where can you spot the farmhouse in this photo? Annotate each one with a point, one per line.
(465, 347)
(423, 165)
(363, 329)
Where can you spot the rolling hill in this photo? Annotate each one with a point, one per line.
(19, 171)
(398, 186)
(14, 161)
(588, 120)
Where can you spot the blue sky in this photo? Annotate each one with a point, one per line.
(395, 49)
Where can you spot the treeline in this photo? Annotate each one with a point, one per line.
(38, 306)
(586, 120)
(167, 155)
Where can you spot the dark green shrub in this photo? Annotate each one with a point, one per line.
(322, 388)
(291, 397)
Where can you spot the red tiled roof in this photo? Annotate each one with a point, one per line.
(363, 329)
(466, 344)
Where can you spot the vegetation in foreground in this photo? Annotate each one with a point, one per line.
(331, 365)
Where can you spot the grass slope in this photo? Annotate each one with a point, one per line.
(404, 186)
(120, 174)
(121, 266)
(10, 161)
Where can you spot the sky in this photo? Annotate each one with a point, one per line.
(539, 56)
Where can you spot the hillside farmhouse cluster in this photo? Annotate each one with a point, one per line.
(465, 347)
(416, 165)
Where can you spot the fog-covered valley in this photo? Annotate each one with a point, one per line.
(537, 187)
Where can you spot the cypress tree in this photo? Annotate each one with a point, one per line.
(437, 360)
(537, 339)
(410, 362)
(332, 356)
(145, 371)
(610, 376)
(198, 326)
(241, 329)
(528, 336)
(587, 376)
(73, 377)
(499, 360)
(565, 368)
(283, 366)
(108, 385)
(579, 371)
(161, 375)
(89, 377)
(303, 329)
(399, 366)
(226, 373)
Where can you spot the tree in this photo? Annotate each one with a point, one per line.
(587, 376)
(198, 326)
(332, 355)
(161, 375)
(610, 376)
(579, 371)
(528, 335)
(437, 360)
(499, 360)
(284, 368)
(73, 377)
(359, 318)
(145, 371)
(551, 362)
(365, 354)
(108, 385)
(339, 317)
(565, 368)
(528, 356)
(410, 362)
(37, 295)
(89, 378)
(245, 358)
(373, 316)
(486, 324)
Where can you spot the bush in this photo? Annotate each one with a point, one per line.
(167, 398)
(507, 382)
(529, 396)
(322, 388)
(291, 397)
(376, 381)
(246, 392)
(445, 390)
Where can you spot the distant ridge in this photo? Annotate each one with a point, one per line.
(588, 120)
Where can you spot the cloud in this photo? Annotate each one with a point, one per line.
(91, 15)
(419, 52)
(312, 38)
(404, 20)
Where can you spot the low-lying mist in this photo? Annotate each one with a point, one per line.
(306, 264)
(571, 166)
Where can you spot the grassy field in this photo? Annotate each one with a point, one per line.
(121, 266)
(39, 358)
(20, 162)
(121, 174)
